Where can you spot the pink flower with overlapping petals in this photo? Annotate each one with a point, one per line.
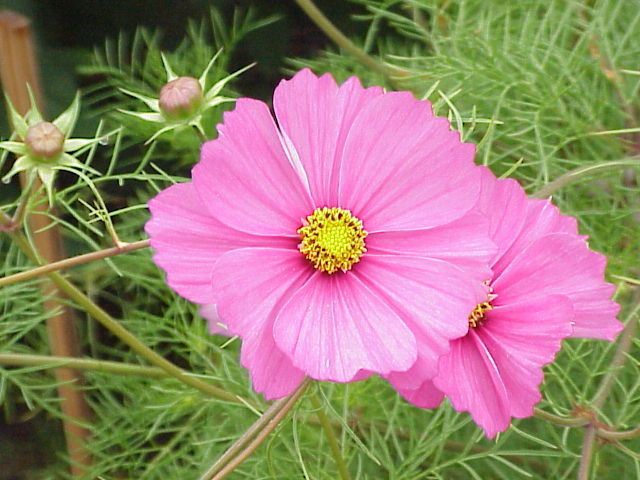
(546, 285)
(335, 240)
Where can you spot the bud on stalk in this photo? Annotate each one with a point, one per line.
(180, 98)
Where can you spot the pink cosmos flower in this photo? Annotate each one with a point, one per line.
(546, 285)
(336, 240)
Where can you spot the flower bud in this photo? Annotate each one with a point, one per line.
(180, 97)
(44, 140)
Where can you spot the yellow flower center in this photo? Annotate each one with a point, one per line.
(476, 317)
(332, 239)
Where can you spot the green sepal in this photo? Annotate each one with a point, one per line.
(214, 102)
(162, 131)
(20, 165)
(70, 161)
(152, 103)
(18, 148)
(33, 116)
(47, 175)
(17, 121)
(73, 144)
(220, 84)
(146, 116)
(170, 73)
(66, 121)
(203, 78)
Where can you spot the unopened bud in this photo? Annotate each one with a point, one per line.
(180, 97)
(44, 140)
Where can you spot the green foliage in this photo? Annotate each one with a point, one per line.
(542, 87)
(136, 65)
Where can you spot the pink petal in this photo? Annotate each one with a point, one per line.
(541, 218)
(595, 313)
(562, 264)
(433, 297)
(245, 177)
(187, 241)
(549, 219)
(403, 169)
(272, 372)
(470, 377)
(317, 115)
(533, 329)
(522, 338)
(516, 220)
(335, 326)
(494, 372)
(424, 368)
(251, 285)
(463, 242)
(504, 203)
(425, 396)
(249, 304)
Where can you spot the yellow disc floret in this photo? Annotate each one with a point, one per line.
(332, 239)
(476, 317)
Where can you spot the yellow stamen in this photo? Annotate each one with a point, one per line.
(332, 239)
(476, 317)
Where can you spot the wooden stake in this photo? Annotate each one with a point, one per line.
(18, 68)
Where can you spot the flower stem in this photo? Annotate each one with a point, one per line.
(122, 333)
(618, 361)
(588, 444)
(582, 172)
(601, 431)
(619, 358)
(5, 222)
(326, 425)
(254, 436)
(558, 420)
(21, 210)
(617, 436)
(72, 262)
(340, 39)
(102, 366)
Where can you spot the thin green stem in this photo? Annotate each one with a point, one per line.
(244, 439)
(577, 174)
(122, 333)
(262, 436)
(200, 134)
(6, 223)
(340, 39)
(617, 436)
(21, 210)
(618, 361)
(586, 455)
(102, 366)
(254, 436)
(601, 431)
(558, 420)
(326, 425)
(619, 357)
(72, 262)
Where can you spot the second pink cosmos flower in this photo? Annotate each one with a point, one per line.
(335, 240)
(546, 285)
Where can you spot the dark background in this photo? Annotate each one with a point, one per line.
(67, 31)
